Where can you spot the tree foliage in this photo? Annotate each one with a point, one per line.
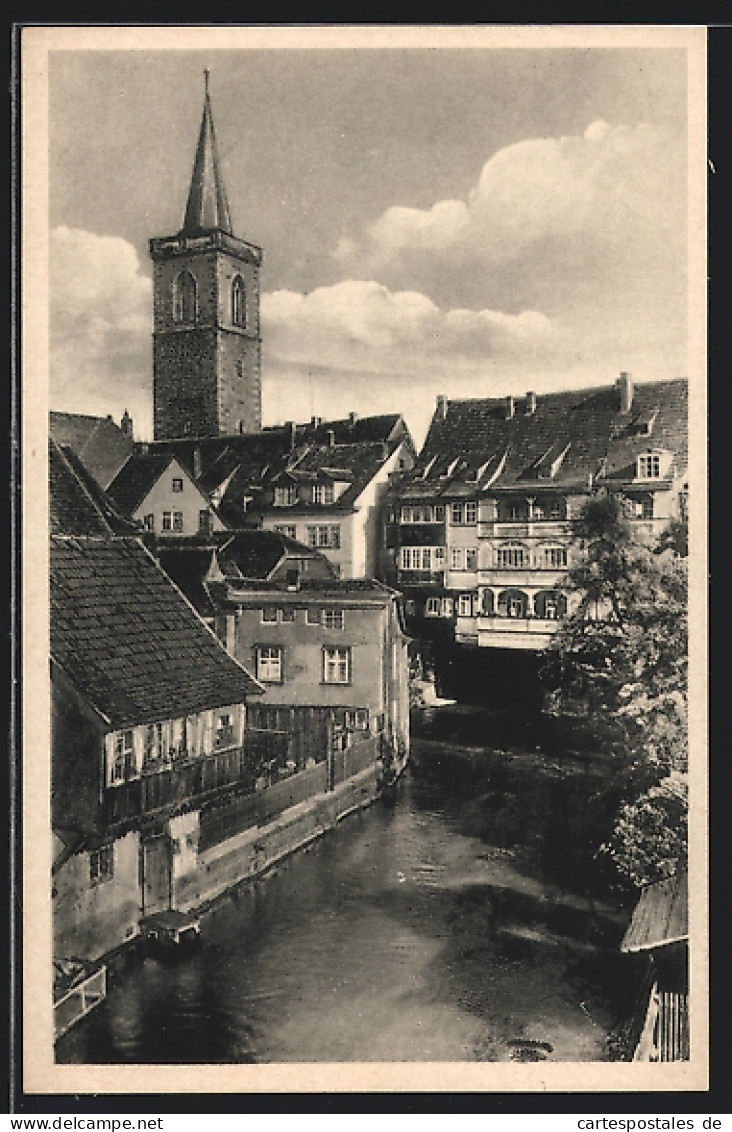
(620, 662)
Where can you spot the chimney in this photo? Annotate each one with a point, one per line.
(624, 386)
(530, 404)
(330, 434)
(291, 433)
(316, 422)
(510, 408)
(126, 424)
(197, 462)
(441, 411)
(352, 418)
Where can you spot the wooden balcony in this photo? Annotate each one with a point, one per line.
(186, 779)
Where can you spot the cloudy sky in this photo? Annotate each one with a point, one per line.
(469, 222)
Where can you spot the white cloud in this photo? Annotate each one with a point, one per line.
(359, 325)
(101, 324)
(612, 186)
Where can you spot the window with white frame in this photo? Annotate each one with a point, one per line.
(433, 607)
(269, 664)
(422, 558)
(287, 615)
(148, 523)
(323, 493)
(101, 864)
(285, 496)
(177, 485)
(337, 665)
(644, 507)
(225, 730)
(167, 521)
(324, 537)
(465, 605)
(447, 607)
(333, 619)
(288, 529)
(457, 558)
(471, 558)
(511, 556)
(471, 512)
(177, 520)
(554, 557)
(649, 466)
(269, 614)
(153, 741)
(123, 764)
(457, 512)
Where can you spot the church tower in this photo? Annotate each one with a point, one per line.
(207, 349)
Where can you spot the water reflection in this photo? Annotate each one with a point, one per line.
(406, 934)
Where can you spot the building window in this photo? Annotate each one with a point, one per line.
(551, 605)
(456, 513)
(433, 607)
(123, 766)
(177, 484)
(313, 615)
(554, 557)
(323, 493)
(284, 496)
(513, 556)
(269, 664)
(225, 730)
(153, 742)
(649, 466)
(204, 522)
(512, 603)
(238, 302)
(177, 520)
(148, 523)
(101, 864)
(336, 666)
(447, 607)
(333, 619)
(439, 513)
(288, 529)
(471, 512)
(184, 298)
(457, 558)
(644, 507)
(557, 509)
(465, 605)
(167, 521)
(287, 615)
(269, 614)
(471, 558)
(324, 538)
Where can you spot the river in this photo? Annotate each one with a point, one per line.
(446, 928)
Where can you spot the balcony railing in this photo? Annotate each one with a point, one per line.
(159, 787)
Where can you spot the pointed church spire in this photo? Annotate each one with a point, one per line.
(207, 208)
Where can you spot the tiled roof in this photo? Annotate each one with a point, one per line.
(99, 443)
(136, 479)
(189, 567)
(355, 464)
(244, 465)
(77, 504)
(339, 589)
(129, 641)
(661, 915)
(574, 434)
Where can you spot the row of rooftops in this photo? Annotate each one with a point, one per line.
(565, 438)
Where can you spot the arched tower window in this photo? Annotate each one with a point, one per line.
(238, 302)
(184, 297)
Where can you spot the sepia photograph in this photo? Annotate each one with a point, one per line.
(364, 473)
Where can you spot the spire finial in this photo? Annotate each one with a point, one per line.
(207, 208)
(206, 74)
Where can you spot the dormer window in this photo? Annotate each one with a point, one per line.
(239, 302)
(285, 496)
(185, 298)
(649, 466)
(323, 493)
